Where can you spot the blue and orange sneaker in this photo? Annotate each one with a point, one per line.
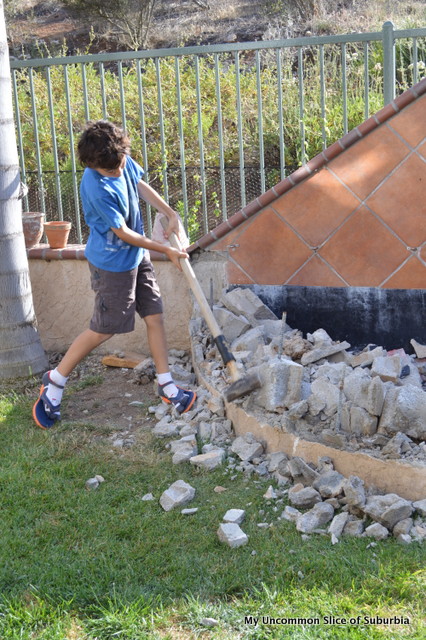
(182, 402)
(45, 414)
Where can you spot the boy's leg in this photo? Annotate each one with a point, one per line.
(46, 410)
(182, 399)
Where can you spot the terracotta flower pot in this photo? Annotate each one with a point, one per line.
(32, 224)
(57, 233)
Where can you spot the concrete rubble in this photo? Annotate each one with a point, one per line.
(368, 401)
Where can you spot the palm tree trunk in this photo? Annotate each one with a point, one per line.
(21, 353)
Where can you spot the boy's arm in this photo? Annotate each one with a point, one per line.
(147, 193)
(137, 240)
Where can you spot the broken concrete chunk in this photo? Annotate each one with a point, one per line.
(366, 357)
(246, 303)
(294, 346)
(281, 384)
(388, 368)
(403, 527)
(210, 460)
(234, 515)
(420, 507)
(323, 352)
(353, 489)
(338, 524)
(376, 531)
(232, 325)
(325, 394)
(245, 450)
(404, 410)
(303, 497)
(249, 341)
(329, 485)
(177, 495)
(420, 349)
(354, 527)
(301, 471)
(361, 422)
(388, 509)
(290, 513)
(231, 534)
(320, 514)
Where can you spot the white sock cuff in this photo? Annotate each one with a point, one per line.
(57, 377)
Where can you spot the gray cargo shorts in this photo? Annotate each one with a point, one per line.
(119, 295)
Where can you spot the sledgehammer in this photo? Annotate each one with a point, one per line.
(241, 385)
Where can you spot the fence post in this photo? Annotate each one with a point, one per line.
(388, 63)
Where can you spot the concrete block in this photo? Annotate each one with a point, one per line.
(330, 484)
(404, 410)
(245, 450)
(328, 395)
(231, 534)
(246, 303)
(320, 514)
(388, 509)
(361, 422)
(365, 358)
(364, 391)
(281, 384)
(232, 325)
(210, 460)
(323, 352)
(177, 495)
(249, 341)
(234, 515)
(388, 368)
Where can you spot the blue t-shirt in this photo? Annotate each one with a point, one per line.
(108, 203)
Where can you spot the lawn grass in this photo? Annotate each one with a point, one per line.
(86, 565)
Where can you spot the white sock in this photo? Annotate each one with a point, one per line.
(171, 390)
(53, 393)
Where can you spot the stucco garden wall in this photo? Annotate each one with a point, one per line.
(63, 302)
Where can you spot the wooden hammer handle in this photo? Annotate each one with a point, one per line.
(194, 284)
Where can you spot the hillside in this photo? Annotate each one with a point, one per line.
(46, 27)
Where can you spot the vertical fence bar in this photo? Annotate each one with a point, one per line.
(37, 142)
(388, 63)
(143, 139)
(322, 97)
(85, 98)
(301, 105)
(19, 136)
(161, 125)
(72, 153)
(415, 62)
(260, 121)
(240, 129)
(103, 93)
(54, 145)
(122, 100)
(366, 82)
(220, 136)
(344, 88)
(201, 146)
(181, 143)
(280, 112)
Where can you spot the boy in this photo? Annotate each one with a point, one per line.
(122, 276)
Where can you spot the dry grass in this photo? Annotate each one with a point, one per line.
(185, 22)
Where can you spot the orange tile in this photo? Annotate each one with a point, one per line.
(316, 273)
(235, 275)
(423, 253)
(412, 275)
(366, 163)
(269, 251)
(316, 207)
(223, 243)
(411, 122)
(422, 150)
(363, 251)
(401, 201)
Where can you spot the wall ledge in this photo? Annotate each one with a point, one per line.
(73, 252)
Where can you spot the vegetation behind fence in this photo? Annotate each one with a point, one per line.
(213, 126)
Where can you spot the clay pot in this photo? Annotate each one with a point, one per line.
(32, 224)
(57, 232)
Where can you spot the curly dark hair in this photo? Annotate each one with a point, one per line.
(102, 145)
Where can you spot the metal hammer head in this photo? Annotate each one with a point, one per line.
(242, 387)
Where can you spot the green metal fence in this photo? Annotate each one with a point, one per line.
(213, 126)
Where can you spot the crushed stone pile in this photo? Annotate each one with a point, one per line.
(369, 400)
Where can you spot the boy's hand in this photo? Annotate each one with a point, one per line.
(175, 256)
(173, 226)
